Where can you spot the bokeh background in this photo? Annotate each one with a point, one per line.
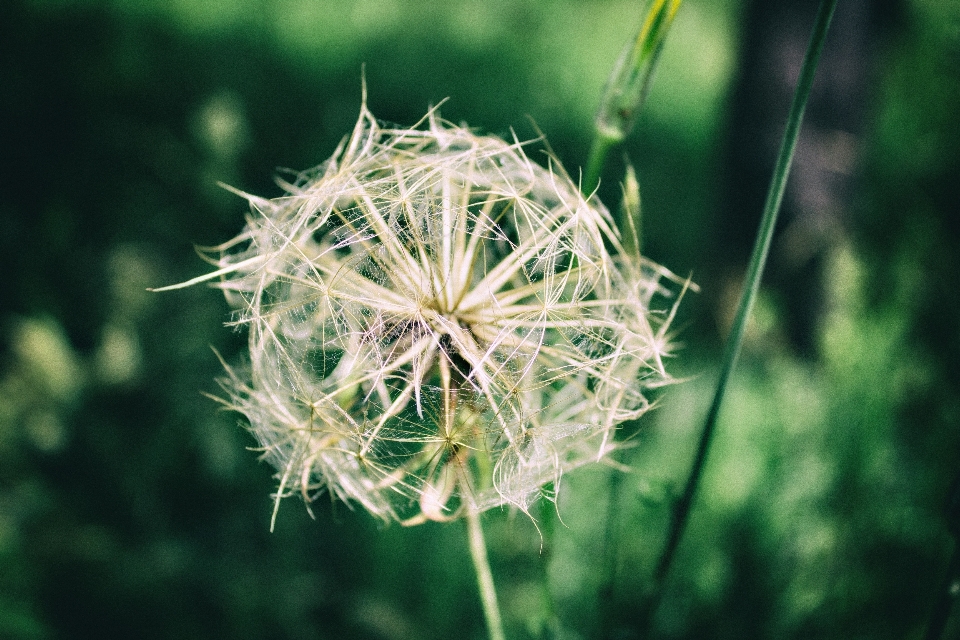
(130, 506)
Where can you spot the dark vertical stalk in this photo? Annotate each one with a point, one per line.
(682, 509)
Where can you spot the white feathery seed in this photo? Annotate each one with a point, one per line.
(437, 324)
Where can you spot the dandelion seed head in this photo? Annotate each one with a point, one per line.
(438, 324)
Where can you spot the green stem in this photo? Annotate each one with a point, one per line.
(681, 512)
(599, 149)
(627, 88)
(488, 593)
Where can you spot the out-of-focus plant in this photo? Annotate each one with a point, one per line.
(627, 87)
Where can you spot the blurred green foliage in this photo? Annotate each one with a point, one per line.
(129, 506)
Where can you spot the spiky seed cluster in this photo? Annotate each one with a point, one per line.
(437, 324)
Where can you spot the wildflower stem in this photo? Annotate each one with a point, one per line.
(627, 87)
(599, 149)
(758, 259)
(488, 593)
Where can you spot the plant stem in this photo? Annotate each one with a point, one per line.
(627, 88)
(488, 593)
(596, 158)
(758, 259)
